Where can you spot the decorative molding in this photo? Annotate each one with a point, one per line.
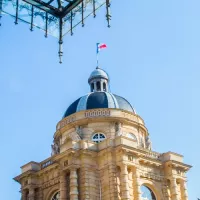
(97, 113)
(50, 183)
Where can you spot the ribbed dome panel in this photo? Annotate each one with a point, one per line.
(97, 100)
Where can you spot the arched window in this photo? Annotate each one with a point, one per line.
(131, 136)
(104, 86)
(98, 137)
(92, 87)
(98, 86)
(147, 193)
(56, 196)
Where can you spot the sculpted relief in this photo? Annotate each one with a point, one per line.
(148, 143)
(55, 148)
(118, 128)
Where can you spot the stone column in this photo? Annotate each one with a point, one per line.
(136, 184)
(31, 194)
(124, 183)
(84, 183)
(101, 85)
(63, 186)
(112, 181)
(173, 189)
(184, 194)
(73, 184)
(24, 195)
(40, 194)
(95, 86)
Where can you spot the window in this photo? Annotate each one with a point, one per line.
(104, 86)
(98, 86)
(98, 137)
(56, 196)
(147, 193)
(131, 136)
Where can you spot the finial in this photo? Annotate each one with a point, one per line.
(97, 67)
(60, 52)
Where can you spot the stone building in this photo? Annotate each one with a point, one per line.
(102, 151)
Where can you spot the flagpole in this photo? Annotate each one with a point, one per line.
(97, 55)
(97, 59)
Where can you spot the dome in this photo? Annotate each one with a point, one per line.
(97, 100)
(98, 73)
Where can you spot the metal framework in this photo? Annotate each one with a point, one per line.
(54, 17)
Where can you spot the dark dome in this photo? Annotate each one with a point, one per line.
(98, 100)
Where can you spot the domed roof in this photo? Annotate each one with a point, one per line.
(98, 73)
(97, 100)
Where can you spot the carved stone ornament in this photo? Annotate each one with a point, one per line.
(73, 136)
(118, 128)
(55, 148)
(79, 130)
(148, 143)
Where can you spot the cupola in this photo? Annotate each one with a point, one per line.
(99, 81)
(99, 96)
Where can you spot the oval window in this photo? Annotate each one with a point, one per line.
(98, 137)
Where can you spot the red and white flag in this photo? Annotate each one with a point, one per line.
(101, 46)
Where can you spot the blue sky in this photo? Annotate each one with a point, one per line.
(153, 61)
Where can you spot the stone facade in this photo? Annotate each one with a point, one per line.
(115, 168)
(104, 154)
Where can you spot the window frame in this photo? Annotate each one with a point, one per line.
(152, 193)
(54, 196)
(98, 140)
(132, 138)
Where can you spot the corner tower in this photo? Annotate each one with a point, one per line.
(102, 151)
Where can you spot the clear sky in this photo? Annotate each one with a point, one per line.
(153, 59)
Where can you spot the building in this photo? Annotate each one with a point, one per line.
(102, 151)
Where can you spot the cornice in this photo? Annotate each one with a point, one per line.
(98, 115)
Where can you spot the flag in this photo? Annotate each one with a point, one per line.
(101, 46)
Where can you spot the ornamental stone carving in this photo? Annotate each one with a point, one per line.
(118, 128)
(148, 143)
(55, 148)
(79, 130)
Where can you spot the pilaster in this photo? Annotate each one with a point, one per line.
(184, 194)
(24, 195)
(112, 181)
(84, 183)
(31, 194)
(40, 194)
(63, 186)
(136, 184)
(73, 184)
(124, 182)
(173, 189)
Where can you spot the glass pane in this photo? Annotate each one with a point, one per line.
(98, 137)
(95, 137)
(131, 136)
(147, 193)
(56, 196)
(102, 136)
(39, 16)
(25, 11)
(77, 14)
(9, 7)
(53, 25)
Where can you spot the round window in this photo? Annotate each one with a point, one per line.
(98, 137)
(147, 193)
(56, 196)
